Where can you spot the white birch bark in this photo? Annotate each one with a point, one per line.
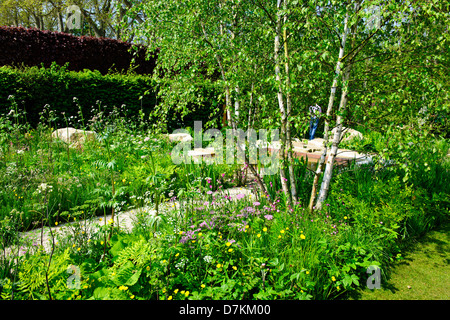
(321, 162)
(281, 105)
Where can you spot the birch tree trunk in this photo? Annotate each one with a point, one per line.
(283, 178)
(288, 119)
(323, 193)
(321, 162)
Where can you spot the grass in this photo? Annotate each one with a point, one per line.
(423, 274)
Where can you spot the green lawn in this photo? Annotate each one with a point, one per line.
(423, 274)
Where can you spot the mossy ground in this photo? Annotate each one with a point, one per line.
(423, 274)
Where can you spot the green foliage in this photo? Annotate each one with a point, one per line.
(35, 87)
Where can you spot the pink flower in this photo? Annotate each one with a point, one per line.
(240, 196)
(256, 203)
(209, 192)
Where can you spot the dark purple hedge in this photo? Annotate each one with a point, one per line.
(32, 47)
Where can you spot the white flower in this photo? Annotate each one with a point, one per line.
(208, 259)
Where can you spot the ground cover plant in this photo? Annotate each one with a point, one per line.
(206, 245)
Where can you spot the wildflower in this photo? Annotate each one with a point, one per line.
(100, 219)
(258, 235)
(182, 291)
(240, 196)
(279, 237)
(132, 296)
(202, 286)
(230, 250)
(234, 268)
(345, 217)
(148, 268)
(302, 236)
(180, 233)
(282, 231)
(169, 298)
(333, 278)
(56, 223)
(307, 272)
(209, 192)
(164, 290)
(228, 244)
(200, 234)
(268, 216)
(78, 249)
(124, 288)
(175, 291)
(186, 294)
(218, 266)
(256, 203)
(101, 242)
(177, 255)
(110, 221)
(264, 229)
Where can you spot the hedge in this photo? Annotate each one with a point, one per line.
(35, 87)
(33, 47)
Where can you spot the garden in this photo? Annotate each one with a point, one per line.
(227, 230)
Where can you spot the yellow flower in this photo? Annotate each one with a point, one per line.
(218, 265)
(193, 241)
(234, 268)
(307, 272)
(175, 291)
(110, 221)
(287, 228)
(200, 234)
(164, 261)
(100, 219)
(202, 286)
(169, 298)
(338, 288)
(78, 249)
(258, 235)
(345, 217)
(74, 246)
(124, 288)
(132, 296)
(180, 233)
(302, 236)
(56, 223)
(177, 255)
(333, 278)
(186, 293)
(101, 242)
(229, 250)
(164, 290)
(247, 226)
(279, 237)
(182, 291)
(282, 231)
(148, 268)
(228, 244)
(264, 229)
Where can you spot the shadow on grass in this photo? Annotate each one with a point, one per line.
(435, 241)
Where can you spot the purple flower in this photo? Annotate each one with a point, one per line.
(268, 216)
